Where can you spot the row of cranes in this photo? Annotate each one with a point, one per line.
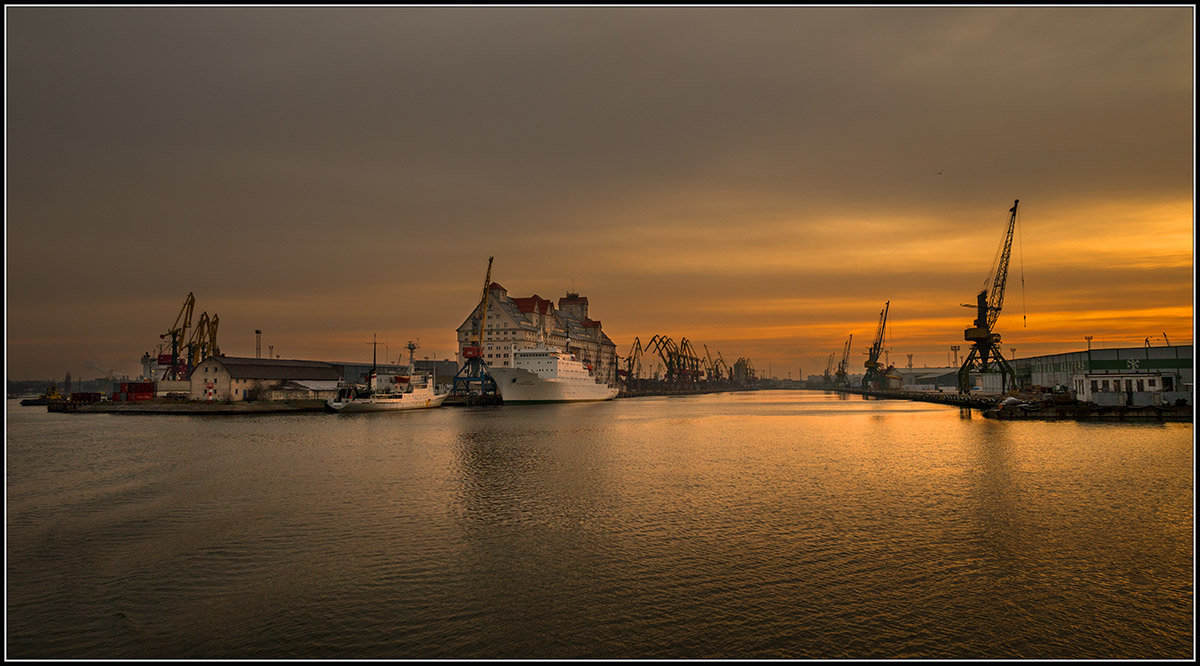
(984, 356)
(876, 376)
(682, 366)
(181, 351)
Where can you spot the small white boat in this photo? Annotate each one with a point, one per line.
(388, 392)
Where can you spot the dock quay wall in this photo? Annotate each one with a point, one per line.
(199, 408)
(698, 391)
(960, 400)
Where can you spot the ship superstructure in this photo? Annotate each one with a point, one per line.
(547, 374)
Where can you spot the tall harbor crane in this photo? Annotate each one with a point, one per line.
(473, 378)
(984, 355)
(633, 367)
(874, 378)
(668, 351)
(178, 334)
(827, 378)
(841, 379)
(197, 344)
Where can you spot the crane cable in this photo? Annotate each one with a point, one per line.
(1021, 247)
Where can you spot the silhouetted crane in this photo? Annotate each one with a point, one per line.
(984, 356)
(874, 376)
(841, 379)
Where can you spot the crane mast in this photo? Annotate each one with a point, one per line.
(841, 379)
(985, 356)
(473, 379)
(874, 369)
(178, 334)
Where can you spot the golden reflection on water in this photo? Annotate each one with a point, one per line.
(774, 524)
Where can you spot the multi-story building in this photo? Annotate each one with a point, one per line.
(523, 323)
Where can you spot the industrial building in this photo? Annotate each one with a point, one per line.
(357, 373)
(1132, 376)
(929, 379)
(222, 378)
(524, 322)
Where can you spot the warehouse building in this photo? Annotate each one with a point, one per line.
(224, 378)
(525, 322)
(1132, 376)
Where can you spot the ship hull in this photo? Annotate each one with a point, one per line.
(518, 385)
(407, 401)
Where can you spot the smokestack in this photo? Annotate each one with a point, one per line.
(257, 343)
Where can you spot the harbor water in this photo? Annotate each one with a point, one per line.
(769, 524)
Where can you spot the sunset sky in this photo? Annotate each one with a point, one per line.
(759, 180)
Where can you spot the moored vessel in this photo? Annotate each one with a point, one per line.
(385, 392)
(544, 374)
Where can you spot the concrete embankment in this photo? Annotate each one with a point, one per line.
(658, 392)
(1030, 408)
(199, 408)
(973, 401)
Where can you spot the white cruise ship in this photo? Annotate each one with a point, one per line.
(542, 374)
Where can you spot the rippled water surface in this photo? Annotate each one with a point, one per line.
(774, 524)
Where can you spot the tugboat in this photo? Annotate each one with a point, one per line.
(50, 396)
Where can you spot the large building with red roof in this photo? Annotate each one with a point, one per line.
(525, 322)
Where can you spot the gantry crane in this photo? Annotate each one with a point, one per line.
(473, 378)
(984, 356)
(841, 379)
(874, 378)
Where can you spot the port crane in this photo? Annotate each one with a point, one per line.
(473, 377)
(689, 360)
(744, 368)
(828, 376)
(727, 373)
(875, 376)
(841, 379)
(197, 344)
(984, 355)
(178, 332)
(668, 351)
(633, 366)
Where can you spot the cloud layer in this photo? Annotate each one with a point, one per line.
(761, 180)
